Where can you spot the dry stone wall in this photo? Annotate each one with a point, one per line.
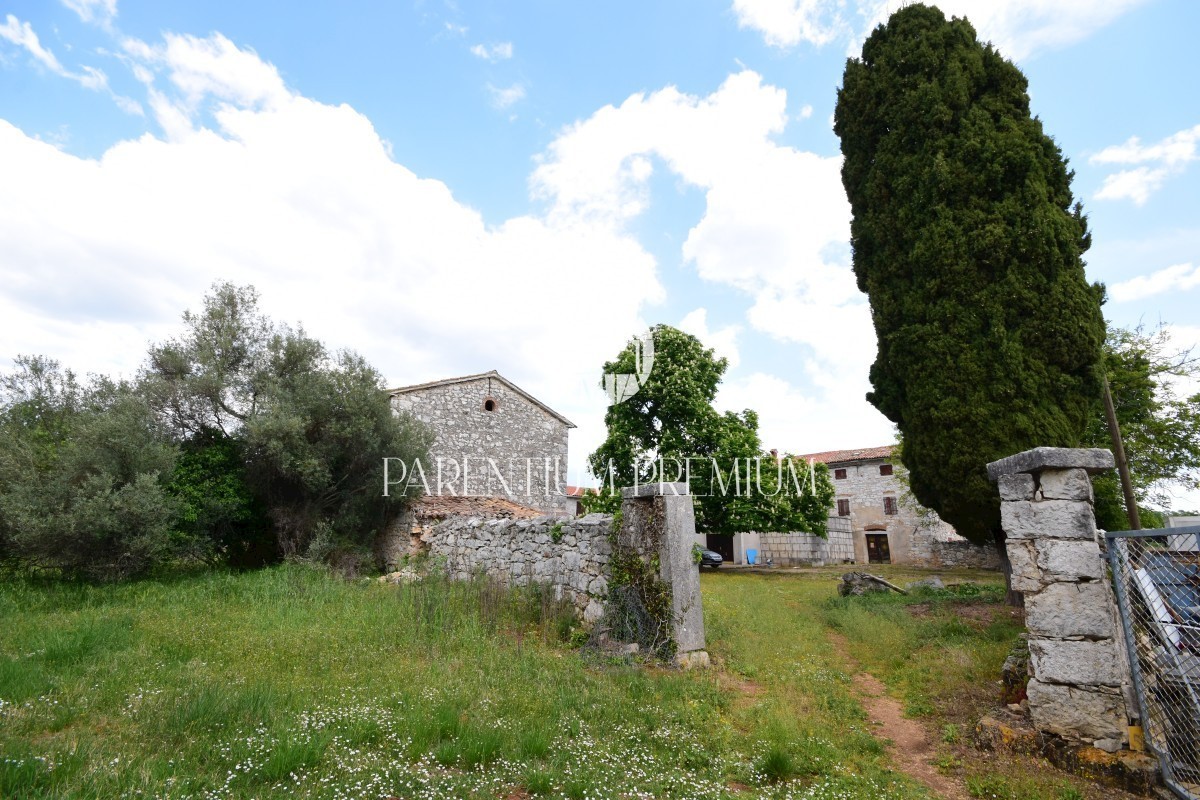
(963, 555)
(570, 555)
(576, 557)
(791, 549)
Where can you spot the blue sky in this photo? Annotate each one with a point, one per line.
(452, 187)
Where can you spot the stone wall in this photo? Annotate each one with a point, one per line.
(576, 556)
(525, 442)
(795, 549)
(963, 555)
(1076, 686)
(570, 555)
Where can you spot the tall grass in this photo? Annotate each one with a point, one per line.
(292, 682)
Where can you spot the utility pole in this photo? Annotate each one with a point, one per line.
(1135, 524)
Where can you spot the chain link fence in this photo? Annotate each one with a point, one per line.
(1156, 575)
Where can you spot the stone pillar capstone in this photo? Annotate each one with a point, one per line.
(1075, 688)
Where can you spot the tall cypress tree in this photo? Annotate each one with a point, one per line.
(969, 244)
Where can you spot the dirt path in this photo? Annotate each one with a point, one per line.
(911, 748)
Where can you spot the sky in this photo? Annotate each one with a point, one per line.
(450, 187)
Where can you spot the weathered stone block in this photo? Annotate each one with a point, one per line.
(1076, 713)
(1091, 459)
(679, 570)
(1026, 575)
(656, 490)
(1069, 560)
(1057, 519)
(1082, 663)
(1065, 484)
(1064, 610)
(1019, 486)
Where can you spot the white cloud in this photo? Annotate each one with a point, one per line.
(101, 12)
(1020, 28)
(1175, 150)
(1179, 277)
(22, 34)
(784, 23)
(496, 52)
(805, 112)
(776, 227)
(1171, 156)
(211, 67)
(723, 341)
(299, 198)
(257, 184)
(1132, 184)
(796, 421)
(503, 97)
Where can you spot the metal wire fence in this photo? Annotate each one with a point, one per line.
(1156, 575)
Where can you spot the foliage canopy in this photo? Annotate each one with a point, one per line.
(82, 474)
(312, 428)
(669, 430)
(242, 441)
(1160, 428)
(969, 244)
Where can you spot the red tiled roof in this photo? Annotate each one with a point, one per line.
(579, 491)
(839, 456)
(442, 506)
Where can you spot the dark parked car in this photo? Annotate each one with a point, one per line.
(710, 558)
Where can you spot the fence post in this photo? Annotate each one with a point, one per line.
(1075, 688)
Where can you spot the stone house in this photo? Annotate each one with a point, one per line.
(491, 439)
(888, 525)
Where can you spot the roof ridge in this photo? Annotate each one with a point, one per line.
(851, 454)
(489, 374)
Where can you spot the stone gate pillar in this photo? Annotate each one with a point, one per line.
(1075, 688)
(658, 520)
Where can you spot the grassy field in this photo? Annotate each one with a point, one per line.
(290, 682)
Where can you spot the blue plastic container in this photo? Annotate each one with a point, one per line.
(751, 555)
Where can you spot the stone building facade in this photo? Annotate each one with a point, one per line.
(491, 438)
(887, 524)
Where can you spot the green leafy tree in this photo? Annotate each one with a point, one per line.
(312, 429)
(217, 506)
(1160, 428)
(314, 452)
(969, 244)
(669, 430)
(82, 474)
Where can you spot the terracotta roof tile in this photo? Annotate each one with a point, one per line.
(861, 454)
(443, 506)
